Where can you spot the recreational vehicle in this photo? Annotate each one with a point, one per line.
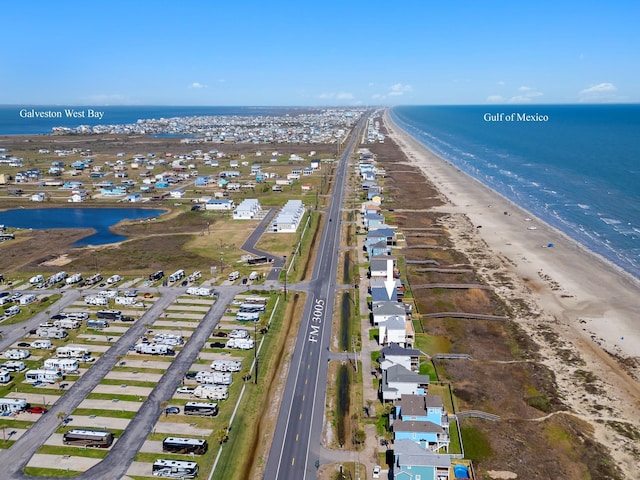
(184, 445)
(72, 351)
(67, 323)
(88, 438)
(51, 332)
(12, 405)
(17, 354)
(174, 469)
(44, 344)
(14, 366)
(215, 378)
(64, 365)
(202, 409)
(41, 375)
(175, 276)
(211, 392)
(149, 349)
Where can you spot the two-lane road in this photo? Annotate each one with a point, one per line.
(296, 439)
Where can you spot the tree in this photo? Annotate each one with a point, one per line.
(359, 437)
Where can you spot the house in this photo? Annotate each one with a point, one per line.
(380, 282)
(384, 310)
(412, 462)
(372, 219)
(428, 435)
(256, 168)
(425, 408)
(202, 181)
(381, 232)
(394, 354)
(133, 198)
(398, 381)
(379, 294)
(307, 187)
(315, 164)
(393, 329)
(376, 248)
(289, 218)
(247, 209)
(38, 197)
(378, 266)
(177, 193)
(233, 163)
(219, 204)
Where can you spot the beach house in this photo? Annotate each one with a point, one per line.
(398, 381)
(412, 461)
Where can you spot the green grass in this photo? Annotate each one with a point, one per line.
(476, 444)
(427, 368)
(111, 396)
(454, 446)
(74, 451)
(432, 344)
(49, 472)
(104, 413)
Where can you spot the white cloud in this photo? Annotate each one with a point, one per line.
(197, 85)
(399, 89)
(602, 92)
(344, 96)
(526, 95)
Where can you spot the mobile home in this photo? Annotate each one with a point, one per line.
(12, 405)
(64, 365)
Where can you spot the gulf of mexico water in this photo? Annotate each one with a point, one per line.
(45, 218)
(576, 167)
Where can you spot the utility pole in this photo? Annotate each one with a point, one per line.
(284, 267)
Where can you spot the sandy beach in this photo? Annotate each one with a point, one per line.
(592, 306)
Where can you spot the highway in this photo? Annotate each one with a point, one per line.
(296, 441)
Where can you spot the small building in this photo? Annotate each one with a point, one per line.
(219, 204)
(247, 210)
(289, 218)
(133, 198)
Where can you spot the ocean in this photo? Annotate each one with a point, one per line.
(576, 167)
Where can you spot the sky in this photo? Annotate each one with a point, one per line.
(341, 53)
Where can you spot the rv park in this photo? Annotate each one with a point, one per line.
(203, 305)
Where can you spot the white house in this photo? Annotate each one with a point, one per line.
(394, 354)
(219, 204)
(247, 210)
(398, 381)
(393, 330)
(385, 310)
(289, 217)
(38, 197)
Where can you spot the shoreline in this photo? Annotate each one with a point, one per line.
(567, 277)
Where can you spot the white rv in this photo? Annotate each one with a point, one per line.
(75, 278)
(12, 405)
(36, 279)
(27, 299)
(248, 316)
(41, 375)
(226, 365)
(233, 276)
(114, 279)
(215, 378)
(168, 339)
(51, 332)
(241, 343)
(150, 349)
(200, 291)
(17, 354)
(67, 323)
(14, 366)
(4, 377)
(65, 365)
(72, 351)
(211, 392)
(177, 275)
(41, 344)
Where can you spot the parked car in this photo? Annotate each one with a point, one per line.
(148, 295)
(185, 390)
(220, 334)
(24, 344)
(191, 375)
(217, 345)
(36, 409)
(376, 471)
(172, 410)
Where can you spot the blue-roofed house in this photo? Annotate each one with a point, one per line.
(422, 419)
(411, 462)
(372, 219)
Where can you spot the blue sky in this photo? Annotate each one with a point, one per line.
(354, 52)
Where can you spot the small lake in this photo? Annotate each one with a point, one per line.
(99, 219)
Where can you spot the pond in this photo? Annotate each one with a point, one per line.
(100, 219)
